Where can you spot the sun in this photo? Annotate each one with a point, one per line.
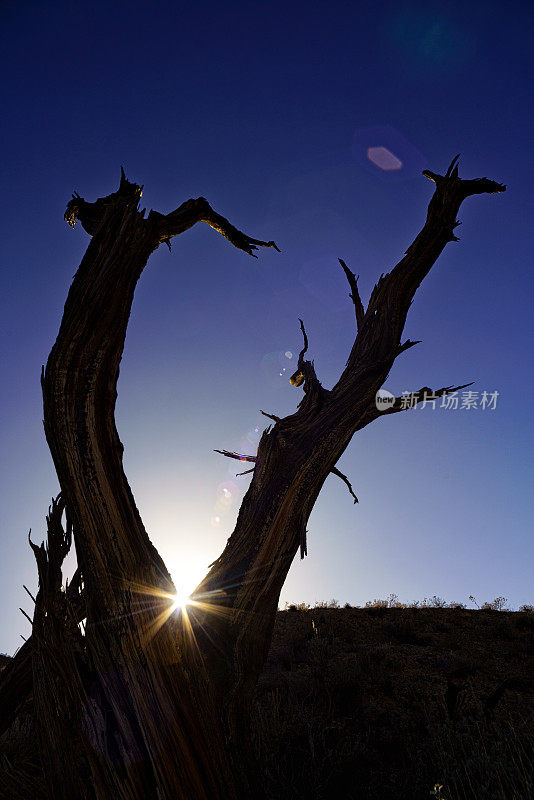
(185, 605)
(180, 601)
(187, 569)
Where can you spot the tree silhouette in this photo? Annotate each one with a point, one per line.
(131, 701)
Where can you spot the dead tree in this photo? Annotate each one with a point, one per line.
(138, 702)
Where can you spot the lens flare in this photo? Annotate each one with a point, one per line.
(189, 615)
(383, 158)
(386, 153)
(180, 601)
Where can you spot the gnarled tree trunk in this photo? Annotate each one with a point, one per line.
(145, 703)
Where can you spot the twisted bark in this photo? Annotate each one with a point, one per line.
(157, 705)
(296, 455)
(163, 733)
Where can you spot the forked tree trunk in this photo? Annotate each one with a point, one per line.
(145, 703)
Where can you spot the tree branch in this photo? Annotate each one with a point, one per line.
(406, 345)
(26, 615)
(303, 543)
(354, 294)
(299, 376)
(379, 342)
(28, 592)
(469, 187)
(314, 393)
(270, 416)
(199, 210)
(91, 215)
(254, 459)
(239, 456)
(81, 374)
(410, 399)
(344, 478)
(166, 226)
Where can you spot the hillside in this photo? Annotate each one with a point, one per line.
(384, 703)
(380, 704)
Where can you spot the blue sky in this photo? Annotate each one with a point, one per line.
(268, 110)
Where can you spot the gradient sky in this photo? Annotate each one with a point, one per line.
(268, 109)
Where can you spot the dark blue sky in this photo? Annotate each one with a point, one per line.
(268, 110)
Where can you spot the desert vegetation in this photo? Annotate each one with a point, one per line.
(498, 604)
(394, 702)
(388, 701)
